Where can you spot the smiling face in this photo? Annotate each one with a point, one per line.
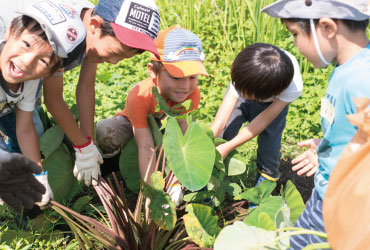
(25, 57)
(106, 49)
(172, 88)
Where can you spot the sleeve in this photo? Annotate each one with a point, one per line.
(29, 95)
(294, 90)
(137, 107)
(356, 87)
(231, 88)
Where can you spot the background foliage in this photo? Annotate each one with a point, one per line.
(225, 28)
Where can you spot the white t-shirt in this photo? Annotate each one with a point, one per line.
(292, 92)
(24, 98)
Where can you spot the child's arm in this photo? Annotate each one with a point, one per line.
(307, 162)
(224, 113)
(29, 145)
(145, 145)
(254, 128)
(85, 97)
(53, 96)
(26, 136)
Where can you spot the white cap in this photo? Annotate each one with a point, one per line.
(61, 23)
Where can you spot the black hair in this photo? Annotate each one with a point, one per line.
(21, 23)
(157, 66)
(304, 24)
(107, 30)
(261, 71)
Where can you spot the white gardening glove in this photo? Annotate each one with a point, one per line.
(48, 195)
(176, 193)
(87, 165)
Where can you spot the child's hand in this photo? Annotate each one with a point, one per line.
(307, 162)
(223, 150)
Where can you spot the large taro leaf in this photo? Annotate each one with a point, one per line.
(294, 200)
(51, 140)
(60, 175)
(265, 222)
(270, 206)
(162, 209)
(241, 236)
(201, 224)
(129, 166)
(190, 157)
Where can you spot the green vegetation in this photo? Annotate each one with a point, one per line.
(225, 27)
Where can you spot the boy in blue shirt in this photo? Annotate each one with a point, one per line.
(327, 32)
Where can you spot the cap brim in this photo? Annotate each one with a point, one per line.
(318, 9)
(185, 68)
(134, 39)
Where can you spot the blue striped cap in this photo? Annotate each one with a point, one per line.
(180, 52)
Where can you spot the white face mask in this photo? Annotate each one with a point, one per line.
(317, 47)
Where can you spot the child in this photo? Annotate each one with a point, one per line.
(116, 29)
(325, 32)
(176, 76)
(33, 47)
(265, 80)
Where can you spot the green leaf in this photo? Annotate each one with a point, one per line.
(264, 221)
(11, 235)
(162, 209)
(190, 157)
(201, 224)
(51, 140)
(241, 236)
(236, 167)
(199, 196)
(232, 189)
(270, 206)
(129, 166)
(266, 188)
(157, 181)
(60, 175)
(252, 195)
(294, 200)
(156, 133)
(234, 164)
(81, 203)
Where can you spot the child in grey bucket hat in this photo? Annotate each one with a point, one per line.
(327, 31)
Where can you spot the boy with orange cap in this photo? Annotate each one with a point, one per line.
(176, 76)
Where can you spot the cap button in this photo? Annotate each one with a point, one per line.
(308, 3)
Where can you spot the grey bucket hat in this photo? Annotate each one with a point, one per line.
(356, 10)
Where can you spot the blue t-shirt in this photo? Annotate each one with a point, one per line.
(349, 80)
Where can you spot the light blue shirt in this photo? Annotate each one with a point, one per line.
(349, 80)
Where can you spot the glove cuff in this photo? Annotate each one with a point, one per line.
(83, 145)
(43, 173)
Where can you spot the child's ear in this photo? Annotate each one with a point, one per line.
(7, 34)
(151, 71)
(94, 25)
(329, 27)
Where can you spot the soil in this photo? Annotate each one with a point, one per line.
(304, 184)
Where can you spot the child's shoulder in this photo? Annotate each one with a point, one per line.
(142, 88)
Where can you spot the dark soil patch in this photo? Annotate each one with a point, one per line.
(304, 184)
